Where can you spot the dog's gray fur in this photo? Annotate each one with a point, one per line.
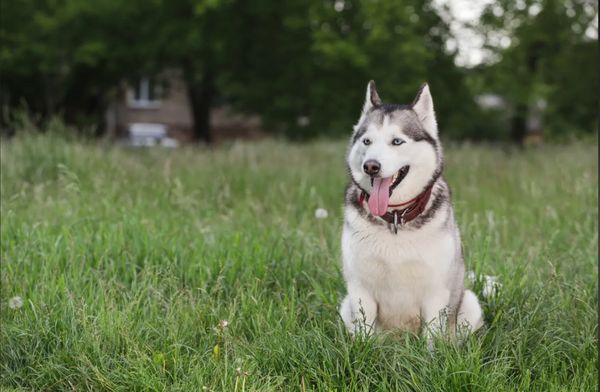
(402, 280)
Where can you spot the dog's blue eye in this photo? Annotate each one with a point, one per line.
(366, 141)
(397, 141)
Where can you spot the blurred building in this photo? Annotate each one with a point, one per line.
(153, 111)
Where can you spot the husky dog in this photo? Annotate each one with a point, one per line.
(401, 248)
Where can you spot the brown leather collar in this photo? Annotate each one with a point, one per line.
(412, 208)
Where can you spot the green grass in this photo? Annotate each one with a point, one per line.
(127, 261)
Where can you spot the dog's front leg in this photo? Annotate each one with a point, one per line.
(434, 313)
(359, 311)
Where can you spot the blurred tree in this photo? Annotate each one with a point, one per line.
(190, 35)
(31, 66)
(305, 65)
(270, 67)
(66, 57)
(302, 65)
(544, 55)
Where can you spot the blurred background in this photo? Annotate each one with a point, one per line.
(171, 72)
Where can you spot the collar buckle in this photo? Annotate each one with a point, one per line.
(398, 219)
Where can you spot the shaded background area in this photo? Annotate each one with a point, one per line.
(205, 70)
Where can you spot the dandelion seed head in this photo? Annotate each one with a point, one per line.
(15, 302)
(321, 213)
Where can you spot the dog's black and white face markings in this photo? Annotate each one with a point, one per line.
(394, 151)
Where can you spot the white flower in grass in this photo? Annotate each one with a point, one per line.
(223, 324)
(321, 213)
(15, 302)
(471, 276)
(490, 284)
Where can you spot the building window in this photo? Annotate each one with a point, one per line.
(144, 94)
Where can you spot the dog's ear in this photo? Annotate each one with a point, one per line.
(423, 107)
(372, 98)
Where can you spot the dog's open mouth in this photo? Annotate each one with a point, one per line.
(382, 189)
(398, 177)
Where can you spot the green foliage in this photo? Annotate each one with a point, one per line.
(549, 58)
(319, 61)
(303, 66)
(128, 260)
(67, 57)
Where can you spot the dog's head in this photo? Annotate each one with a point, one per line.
(394, 152)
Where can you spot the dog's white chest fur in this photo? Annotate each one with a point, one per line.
(401, 272)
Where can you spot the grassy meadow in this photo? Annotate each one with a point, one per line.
(196, 269)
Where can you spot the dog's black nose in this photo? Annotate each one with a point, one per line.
(372, 167)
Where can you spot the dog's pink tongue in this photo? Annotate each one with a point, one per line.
(380, 196)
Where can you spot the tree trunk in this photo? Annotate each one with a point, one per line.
(519, 119)
(201, 95)
(519, 124)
